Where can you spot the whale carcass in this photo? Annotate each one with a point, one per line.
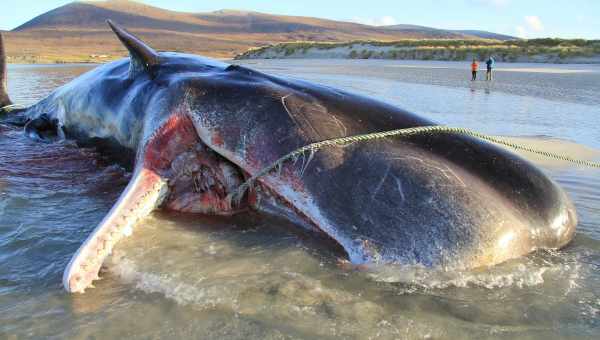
(193, 129)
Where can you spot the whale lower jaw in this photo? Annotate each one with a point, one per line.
(145, 191)
(175, 171)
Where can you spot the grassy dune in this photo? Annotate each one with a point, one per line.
(536, 50)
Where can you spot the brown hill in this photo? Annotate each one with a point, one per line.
(78, 32)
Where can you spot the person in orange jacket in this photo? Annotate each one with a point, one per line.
(474, 68)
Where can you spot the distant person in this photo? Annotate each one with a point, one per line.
(474, 68)
(490, 66)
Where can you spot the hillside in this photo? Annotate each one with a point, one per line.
(92, 16)
(78, 32)
(436, 33)
(486, 35)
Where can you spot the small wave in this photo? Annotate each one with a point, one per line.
(171, 286)
(520, 274)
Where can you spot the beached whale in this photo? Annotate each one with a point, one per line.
(193, 129)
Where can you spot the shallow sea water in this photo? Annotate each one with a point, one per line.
(185, 276)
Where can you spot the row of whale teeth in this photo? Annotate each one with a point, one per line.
(142, 195)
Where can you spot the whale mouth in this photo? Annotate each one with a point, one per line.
(199, 178)
(175, 171)
(200, 181)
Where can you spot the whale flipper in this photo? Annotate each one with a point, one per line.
(42, 128)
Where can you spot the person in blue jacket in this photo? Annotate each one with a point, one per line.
(490, 66)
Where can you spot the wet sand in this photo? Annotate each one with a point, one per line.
(550, 82)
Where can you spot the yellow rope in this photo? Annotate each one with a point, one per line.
(11, 107)
(395, 133)
(313, 147)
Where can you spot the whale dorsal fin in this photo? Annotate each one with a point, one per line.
(4, 99)
(143, 57)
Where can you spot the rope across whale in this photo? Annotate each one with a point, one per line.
(11, 107)
(340, 142)
(343, 141)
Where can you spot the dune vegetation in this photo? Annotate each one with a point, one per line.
(534, 50)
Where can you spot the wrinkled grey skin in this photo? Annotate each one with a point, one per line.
(432, 200)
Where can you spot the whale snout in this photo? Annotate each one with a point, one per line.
(560, 228)
(519, 208)
(438, 201)
(518, 233)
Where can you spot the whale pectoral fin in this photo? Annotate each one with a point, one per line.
(42, 128)
(144, 192)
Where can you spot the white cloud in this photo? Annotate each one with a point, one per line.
(534, 23)
(388, 20)
(383, 21)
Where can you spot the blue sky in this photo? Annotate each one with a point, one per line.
(523, 18)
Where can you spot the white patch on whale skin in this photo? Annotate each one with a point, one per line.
(559, 224)
(383, 178)
(441, 168)
(399, 187)
(505, 241)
